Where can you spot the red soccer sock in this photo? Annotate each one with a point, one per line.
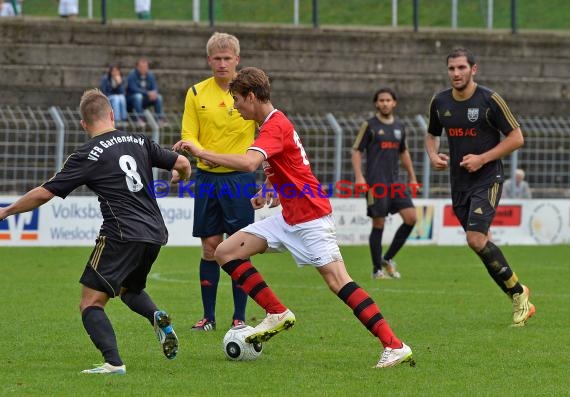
(386, 336)
(369, 314)
(249, 279)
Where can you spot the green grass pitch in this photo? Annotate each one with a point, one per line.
(445, 307)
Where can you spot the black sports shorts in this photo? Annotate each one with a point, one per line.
(475, 208)
(387, 200)
(114, 264)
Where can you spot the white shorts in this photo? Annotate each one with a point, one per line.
(311, 243)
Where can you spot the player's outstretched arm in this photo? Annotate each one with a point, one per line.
(249, 162)
(33, 199)
(186, 145)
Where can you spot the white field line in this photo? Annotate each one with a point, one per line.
(161, 277)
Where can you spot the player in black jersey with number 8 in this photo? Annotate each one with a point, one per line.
(474, 117)
(117, 167)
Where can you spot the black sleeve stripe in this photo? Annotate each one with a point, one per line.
(506, 111)
(360, 135)
(194, 91)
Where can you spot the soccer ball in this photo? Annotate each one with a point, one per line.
(235, 346)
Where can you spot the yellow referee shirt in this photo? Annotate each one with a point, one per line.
(211, 122)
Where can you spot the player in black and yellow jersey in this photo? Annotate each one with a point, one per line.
(474, 117)
(382, 139)
(117, 167)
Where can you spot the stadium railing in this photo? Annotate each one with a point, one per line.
(34, 143)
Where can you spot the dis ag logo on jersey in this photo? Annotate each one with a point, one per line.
(20, 227)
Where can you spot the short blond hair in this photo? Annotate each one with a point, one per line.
(222, 41)
(94, 106)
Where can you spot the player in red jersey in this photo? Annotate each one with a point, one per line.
(305, 227)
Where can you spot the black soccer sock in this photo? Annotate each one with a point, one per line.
(101, 332)
(240, 301)
(140, 303)
(375, 241)
(209, 279)
(499, 269)
(399, 240)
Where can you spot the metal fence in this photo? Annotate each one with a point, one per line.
(467, 13)
(34, 142)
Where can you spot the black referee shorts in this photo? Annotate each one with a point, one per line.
(114, 264)
(222, 202)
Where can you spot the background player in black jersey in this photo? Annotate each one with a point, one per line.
(117, 167)
(474, 117)
(383, 138)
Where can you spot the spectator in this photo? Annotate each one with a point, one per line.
(68, 8)
(142, 92)
(519, 189)
(18, 6)
(6, 9)
(142, 9)
(10, 8)
(114, 87)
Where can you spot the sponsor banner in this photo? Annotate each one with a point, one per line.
(424, 231)
(506, 215)
(354, 226)
(76, 221)
(548, 222)
(517, 222)
(20, 227)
